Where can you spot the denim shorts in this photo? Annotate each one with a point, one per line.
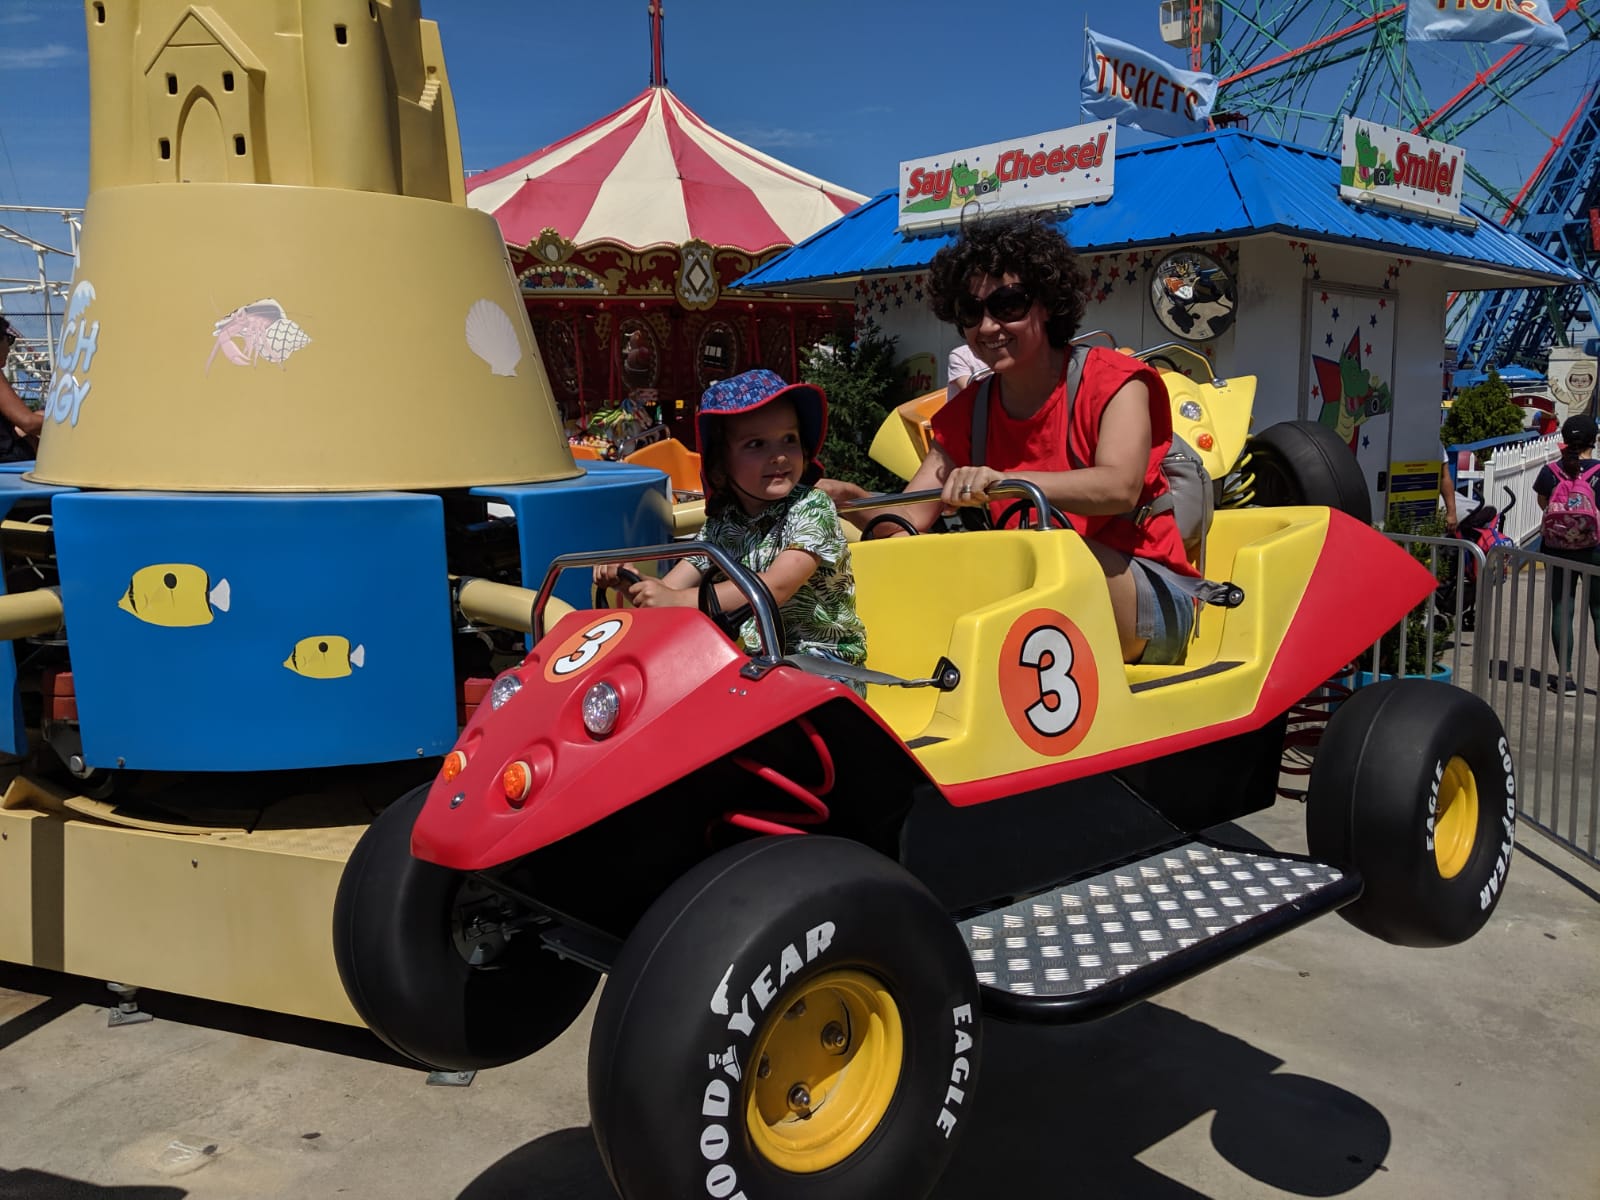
(1165, 613)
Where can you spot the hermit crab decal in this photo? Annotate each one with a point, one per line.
(256, 331)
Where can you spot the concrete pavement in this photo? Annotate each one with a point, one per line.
(1323, 1064)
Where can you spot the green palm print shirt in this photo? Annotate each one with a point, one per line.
(821, 616)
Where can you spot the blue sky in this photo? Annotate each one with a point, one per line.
(844, 90)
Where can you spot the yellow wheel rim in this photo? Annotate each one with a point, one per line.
(824, 1072)
(1455, 821)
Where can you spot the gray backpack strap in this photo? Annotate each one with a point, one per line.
(980, 421)
(1074, 378)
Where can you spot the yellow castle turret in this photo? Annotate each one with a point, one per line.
(279, 285)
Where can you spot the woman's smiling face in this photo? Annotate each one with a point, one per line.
(1003, 345)
(765, 456)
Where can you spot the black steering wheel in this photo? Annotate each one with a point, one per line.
(894, 519)
(600, 590)
(730, 622)
(1017, 507)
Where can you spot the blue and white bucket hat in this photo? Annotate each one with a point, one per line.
(755, 389)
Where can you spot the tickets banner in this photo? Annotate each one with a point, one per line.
(1527, 22)
(1043, 170)
(1130, 85)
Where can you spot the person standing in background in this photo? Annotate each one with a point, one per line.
(1578, 435)
(964, 366)
(19, 424)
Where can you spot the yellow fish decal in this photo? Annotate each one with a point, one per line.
(326, 657)
(177, 595)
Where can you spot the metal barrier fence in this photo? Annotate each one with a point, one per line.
(1517, 629)
(1532, 648)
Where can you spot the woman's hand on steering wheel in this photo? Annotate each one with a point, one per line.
(967, 487)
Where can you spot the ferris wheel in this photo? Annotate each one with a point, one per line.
(1528, 118)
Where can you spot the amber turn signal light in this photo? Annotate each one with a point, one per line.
(454, 763)
(517, 780)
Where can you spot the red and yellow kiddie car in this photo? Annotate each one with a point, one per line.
(806, 902)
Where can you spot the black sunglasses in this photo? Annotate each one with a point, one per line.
(1004, 304)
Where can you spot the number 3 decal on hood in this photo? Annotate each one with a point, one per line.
(582, 650)
(1048, 682)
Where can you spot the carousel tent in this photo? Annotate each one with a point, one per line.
(655, 174)
(622, 238)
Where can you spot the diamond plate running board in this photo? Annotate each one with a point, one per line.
(1086, 949)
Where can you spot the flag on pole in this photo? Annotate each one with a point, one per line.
(1133, 86)
(1528, 22)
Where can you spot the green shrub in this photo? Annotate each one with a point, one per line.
(1480, 412)
(860, 381)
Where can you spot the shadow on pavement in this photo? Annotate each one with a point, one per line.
(1072, 1108)
(66, 992)
(564, 1165)
(41, 1185)
(1081, 1103)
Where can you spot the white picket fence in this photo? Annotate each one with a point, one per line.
(1514, 468)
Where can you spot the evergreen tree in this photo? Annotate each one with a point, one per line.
(1480, 412)
(859, 379)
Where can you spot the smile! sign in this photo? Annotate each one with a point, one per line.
(1391, 166)
(1058, 169)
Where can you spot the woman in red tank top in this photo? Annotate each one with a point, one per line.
(1014, 289)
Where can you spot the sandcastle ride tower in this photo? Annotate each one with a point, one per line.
(280, 287)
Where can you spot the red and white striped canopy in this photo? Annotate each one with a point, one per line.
(654, 174)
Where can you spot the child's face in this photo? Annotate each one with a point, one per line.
(765, 457)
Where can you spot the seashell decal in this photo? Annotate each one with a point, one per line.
(493, 338)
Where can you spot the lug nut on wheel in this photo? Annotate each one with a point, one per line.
(800, 1099)
(834, 1039)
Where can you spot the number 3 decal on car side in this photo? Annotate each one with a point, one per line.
(1048, 682)
(582, 650)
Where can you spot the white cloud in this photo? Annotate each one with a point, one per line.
(781, 139)
(30, 57)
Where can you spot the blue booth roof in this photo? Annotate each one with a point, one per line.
(1204, 187)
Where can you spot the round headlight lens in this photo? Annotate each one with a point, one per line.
(507, 686)
(1190, 411)
(600, 707)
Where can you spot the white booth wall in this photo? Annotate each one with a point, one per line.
(1287, 291)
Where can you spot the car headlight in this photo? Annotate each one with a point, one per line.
(600, 707)
(507, 686)
(1190, 411)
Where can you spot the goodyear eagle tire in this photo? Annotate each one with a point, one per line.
(403, 933)
(794, 1018)
(1303, 462)
(1413, 788)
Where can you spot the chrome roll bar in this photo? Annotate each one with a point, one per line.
(755, 594)
(1005, 487)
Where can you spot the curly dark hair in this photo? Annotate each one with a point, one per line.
(1028, 246)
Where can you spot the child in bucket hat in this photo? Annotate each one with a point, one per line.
(758, 439)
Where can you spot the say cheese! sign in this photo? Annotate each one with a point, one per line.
(1046, 170)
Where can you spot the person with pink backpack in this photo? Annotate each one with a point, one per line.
(1571, 529)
